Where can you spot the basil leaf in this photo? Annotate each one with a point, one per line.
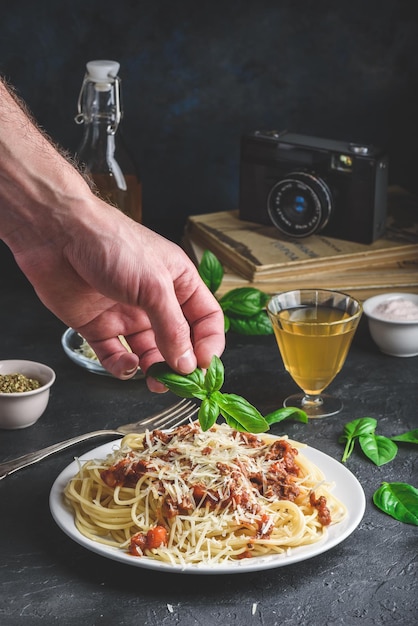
(258, 324)
(214, 378)
(285, 413)
(353, 430)
(242, 302)
(409, 437)
(182, 386)
(208, 413)
(198, 377)
(245, 301)
(211, 271)
(361, 426)
(240, 414)
(399, 500)
(378, 449)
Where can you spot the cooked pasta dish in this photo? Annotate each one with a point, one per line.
(186, 496)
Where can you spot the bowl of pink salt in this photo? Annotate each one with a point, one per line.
(393, 322)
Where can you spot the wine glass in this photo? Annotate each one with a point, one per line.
(314, 329)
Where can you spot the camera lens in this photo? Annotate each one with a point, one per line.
(300, 204)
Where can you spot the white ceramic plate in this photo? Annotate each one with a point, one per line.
(347, 489)
(71, 342)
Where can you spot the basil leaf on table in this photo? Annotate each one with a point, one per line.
(378, 449)
(399, 500)
(353, 430)
(409, 437)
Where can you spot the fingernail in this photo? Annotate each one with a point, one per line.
(130, 372)
(155, 386)
(187, 362)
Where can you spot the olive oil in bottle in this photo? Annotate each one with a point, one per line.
(102, 152)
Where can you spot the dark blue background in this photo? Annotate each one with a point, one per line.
(198, 74)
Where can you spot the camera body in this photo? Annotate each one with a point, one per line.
(305, 185)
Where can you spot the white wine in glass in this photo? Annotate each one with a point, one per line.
(314, 329)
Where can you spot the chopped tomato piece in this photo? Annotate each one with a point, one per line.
(156, 537)
(138, 544)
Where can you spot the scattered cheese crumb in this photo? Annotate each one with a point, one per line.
(170, 608)
(254, 608)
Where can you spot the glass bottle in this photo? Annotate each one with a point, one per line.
(102, 152)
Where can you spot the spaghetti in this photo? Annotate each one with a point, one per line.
(191, 497)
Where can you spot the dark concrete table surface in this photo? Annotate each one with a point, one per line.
(369, 579)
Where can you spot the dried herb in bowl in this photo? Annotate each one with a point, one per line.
(17, 383)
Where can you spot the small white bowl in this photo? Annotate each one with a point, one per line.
(392, 334)
(22, 409)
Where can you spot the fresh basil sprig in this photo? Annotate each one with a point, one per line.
(399, 500)
(244, 308)
(236, 410)
(377, 448)
(353, 430)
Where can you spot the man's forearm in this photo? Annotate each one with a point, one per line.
(36, 180)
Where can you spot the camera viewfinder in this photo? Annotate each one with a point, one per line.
(342, 162)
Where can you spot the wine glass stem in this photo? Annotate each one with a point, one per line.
(309, 401)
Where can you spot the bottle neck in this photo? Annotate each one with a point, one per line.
(100, 105)
(98, 139)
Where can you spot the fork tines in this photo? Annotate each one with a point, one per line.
(172, 416)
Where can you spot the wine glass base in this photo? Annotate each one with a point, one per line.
(320, 407)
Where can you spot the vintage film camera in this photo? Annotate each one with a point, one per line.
(305, 185)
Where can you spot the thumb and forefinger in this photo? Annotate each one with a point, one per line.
(188, 335)
(185, 336)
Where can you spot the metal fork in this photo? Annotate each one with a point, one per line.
(171, 417)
